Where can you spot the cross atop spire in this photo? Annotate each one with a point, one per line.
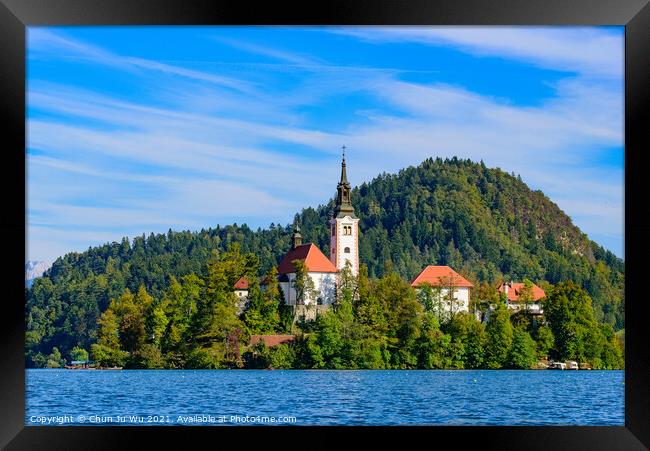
(344, 175)
(343, 204)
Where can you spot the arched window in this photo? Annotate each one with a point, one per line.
(346, 250)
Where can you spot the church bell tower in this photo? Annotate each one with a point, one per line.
(344, 227)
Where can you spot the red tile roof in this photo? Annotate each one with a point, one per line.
(242, 284)
(439, 276)
(311, 255)
(515, 290)
(271, 340)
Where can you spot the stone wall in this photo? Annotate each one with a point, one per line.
(309, 312)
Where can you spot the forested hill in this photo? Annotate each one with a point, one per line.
(485, 223)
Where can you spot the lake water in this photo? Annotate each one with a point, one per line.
(313, 397)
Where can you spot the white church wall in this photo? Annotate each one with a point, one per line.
(324, 284)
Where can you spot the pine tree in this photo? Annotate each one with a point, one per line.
(499, 337)
(522, 354)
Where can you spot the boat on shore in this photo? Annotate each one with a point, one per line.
(557, 366)
(569, 365)
(79, 365)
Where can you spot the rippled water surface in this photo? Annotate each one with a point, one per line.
(325, 397)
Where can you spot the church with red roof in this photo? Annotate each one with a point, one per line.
(323, 270)
(309, 253)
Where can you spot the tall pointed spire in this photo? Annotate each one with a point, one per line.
(343, 201)
(344, 226)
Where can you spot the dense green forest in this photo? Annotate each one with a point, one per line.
(485, 223)
(374, 324)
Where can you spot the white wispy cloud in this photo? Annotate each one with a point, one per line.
(254, 156)
(132, 115)
(583, 50)
(448, 117)
(278, 54)
(555, 147)
(43, 41)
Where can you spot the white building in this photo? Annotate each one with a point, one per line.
(443, 280)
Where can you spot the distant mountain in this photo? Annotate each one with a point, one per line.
(485, 223)
(34, 269)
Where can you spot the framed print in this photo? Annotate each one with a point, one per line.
(362, 218)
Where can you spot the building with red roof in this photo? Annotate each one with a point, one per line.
(447, 284)
(515, 293)
(440, 276)
(241, 291)
(241, 284)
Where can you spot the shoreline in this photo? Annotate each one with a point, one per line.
(325, 369)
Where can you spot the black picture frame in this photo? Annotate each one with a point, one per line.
(16, 15)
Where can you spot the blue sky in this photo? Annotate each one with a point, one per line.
(134, 130)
